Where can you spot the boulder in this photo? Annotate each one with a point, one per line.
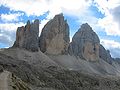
(27, 37)
(85, 44)
(54, 37)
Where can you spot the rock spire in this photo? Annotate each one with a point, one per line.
(27, 36)
(54, 37)
(85, 44)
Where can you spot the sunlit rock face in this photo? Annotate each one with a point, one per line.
(27, 37)
(54, 37)
(85, 44)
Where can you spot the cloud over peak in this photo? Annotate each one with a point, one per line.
(10, 17)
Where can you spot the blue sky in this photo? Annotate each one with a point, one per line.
(102, 15)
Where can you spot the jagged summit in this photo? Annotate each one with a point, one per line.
(85, 27)
(54, 37)
(59, 16)
(87, 33)
(85, 44)
(27, 36)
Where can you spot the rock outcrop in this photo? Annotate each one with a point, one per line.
(105, 54)
(85, 44)
(9, 81)
(27, 37)
(54, 37)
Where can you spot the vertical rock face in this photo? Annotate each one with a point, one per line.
(54, 37)
(27, 37)
(85, 44)
(105, 54)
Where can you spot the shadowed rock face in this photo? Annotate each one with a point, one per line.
(54, 37)
(85, 44)
(27, 37)
(105, 54)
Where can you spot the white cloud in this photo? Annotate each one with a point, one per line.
(109, 23)
(8, 31)
(110, 26)
(10, 17)
(113, 46)
(110, 43)
(10, 26)
(69, 7)
(39, 7)
(42, 23)
(106, 5)
(77, 8)
(30, 7)
(116, 14)
(5, 39)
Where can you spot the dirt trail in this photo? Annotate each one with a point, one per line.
(4, 78)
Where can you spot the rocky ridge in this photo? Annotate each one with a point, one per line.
(8, 81)
(105, 54)
(28, 76)
(52, 78)
(27, 37)
(54, 40)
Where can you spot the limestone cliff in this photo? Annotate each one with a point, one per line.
(54, 37)
(85, 44)
(27, 37)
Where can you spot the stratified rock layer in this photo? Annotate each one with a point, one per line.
(54, 37)
(27, 37)
(85, 44)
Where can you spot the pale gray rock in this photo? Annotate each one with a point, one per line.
(85, 44)
(54, 37)
(27, 37)
(105, 54)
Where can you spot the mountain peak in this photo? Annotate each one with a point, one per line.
(28, 22)
(86, 27)
(85, 44)
(59, 15)
(54, 37)
(27, 37)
